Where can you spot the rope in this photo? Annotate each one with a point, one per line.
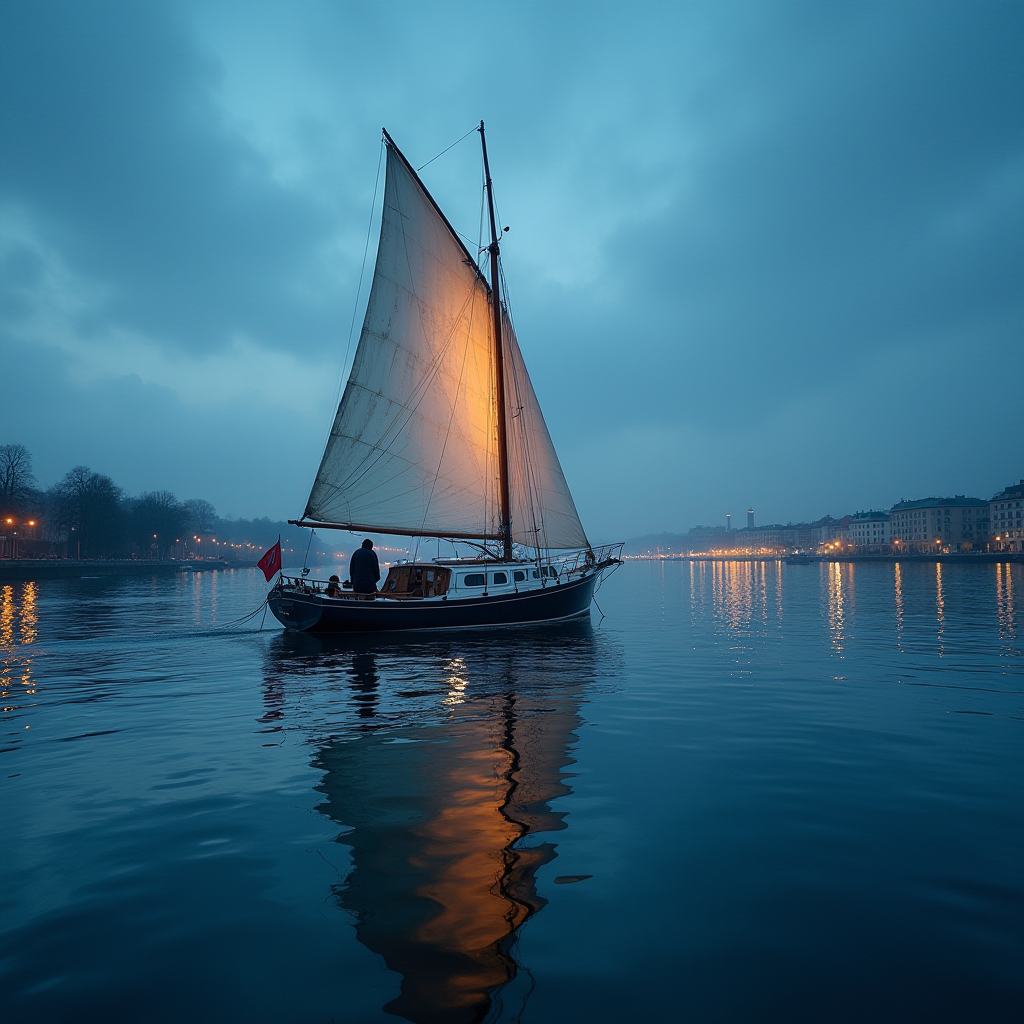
(443, 151)
(235, 623)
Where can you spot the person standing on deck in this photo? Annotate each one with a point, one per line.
(364, 569)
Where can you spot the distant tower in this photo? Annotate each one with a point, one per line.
(728, 521)
(750, 518)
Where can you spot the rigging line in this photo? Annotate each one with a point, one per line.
(362, 272)
(483, 200)
(462, 234)
(443, 151)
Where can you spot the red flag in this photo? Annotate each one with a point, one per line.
(270, 563)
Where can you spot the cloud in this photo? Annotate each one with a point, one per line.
(744, 237)
(116, 153)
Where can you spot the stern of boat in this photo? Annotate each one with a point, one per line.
(294, 610)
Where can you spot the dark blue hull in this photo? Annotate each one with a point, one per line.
(313, 613)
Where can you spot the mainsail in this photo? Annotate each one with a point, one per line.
(413, 449)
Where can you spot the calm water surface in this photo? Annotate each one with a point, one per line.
(757, 793)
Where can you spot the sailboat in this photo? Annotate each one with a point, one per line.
(439, 434)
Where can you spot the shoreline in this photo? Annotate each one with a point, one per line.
(963, 557)
(69, 568)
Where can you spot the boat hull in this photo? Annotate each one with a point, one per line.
(312, 613)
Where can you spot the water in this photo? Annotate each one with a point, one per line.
(759, 793)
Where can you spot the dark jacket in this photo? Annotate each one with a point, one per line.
(364, 570)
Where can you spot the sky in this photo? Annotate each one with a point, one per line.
(763, 255)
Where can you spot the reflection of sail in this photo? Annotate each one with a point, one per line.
(437, 814)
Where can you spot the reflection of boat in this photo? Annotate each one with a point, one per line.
(799, 559)
(439, 434)
(439, 806)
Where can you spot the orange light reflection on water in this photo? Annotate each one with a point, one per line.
(19, 628)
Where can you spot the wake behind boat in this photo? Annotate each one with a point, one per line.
(439, 434)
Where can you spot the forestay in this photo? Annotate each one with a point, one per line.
(413, 448)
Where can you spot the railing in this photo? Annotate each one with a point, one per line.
(305, 585)
(585, 559)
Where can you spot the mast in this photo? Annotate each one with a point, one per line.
(499, 365)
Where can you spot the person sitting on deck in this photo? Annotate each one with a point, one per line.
(334, 587)
(364, 569)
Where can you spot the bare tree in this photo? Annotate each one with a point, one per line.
(202, 514)
(16, 479)
(158, 520)
(89, 506)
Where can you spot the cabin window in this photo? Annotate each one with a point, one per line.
(497, 578)
(474, 579)
(416, 581)
(519, 576)
(535, 574)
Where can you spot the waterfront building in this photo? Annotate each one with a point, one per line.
(750, 518)
(766, 538)
(792, 537)
(869, 532)
(1006, 515)
(708, 538)
(833, 534)
(940, 524)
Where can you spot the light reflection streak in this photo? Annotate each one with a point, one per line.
(836, 615)
(898, 582)
(197, 602)
(737, 593)
(7, 615)
(940, 606)
(456, 681)
(19, 628)
(1005, 611)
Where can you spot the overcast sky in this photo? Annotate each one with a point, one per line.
(765, 254)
